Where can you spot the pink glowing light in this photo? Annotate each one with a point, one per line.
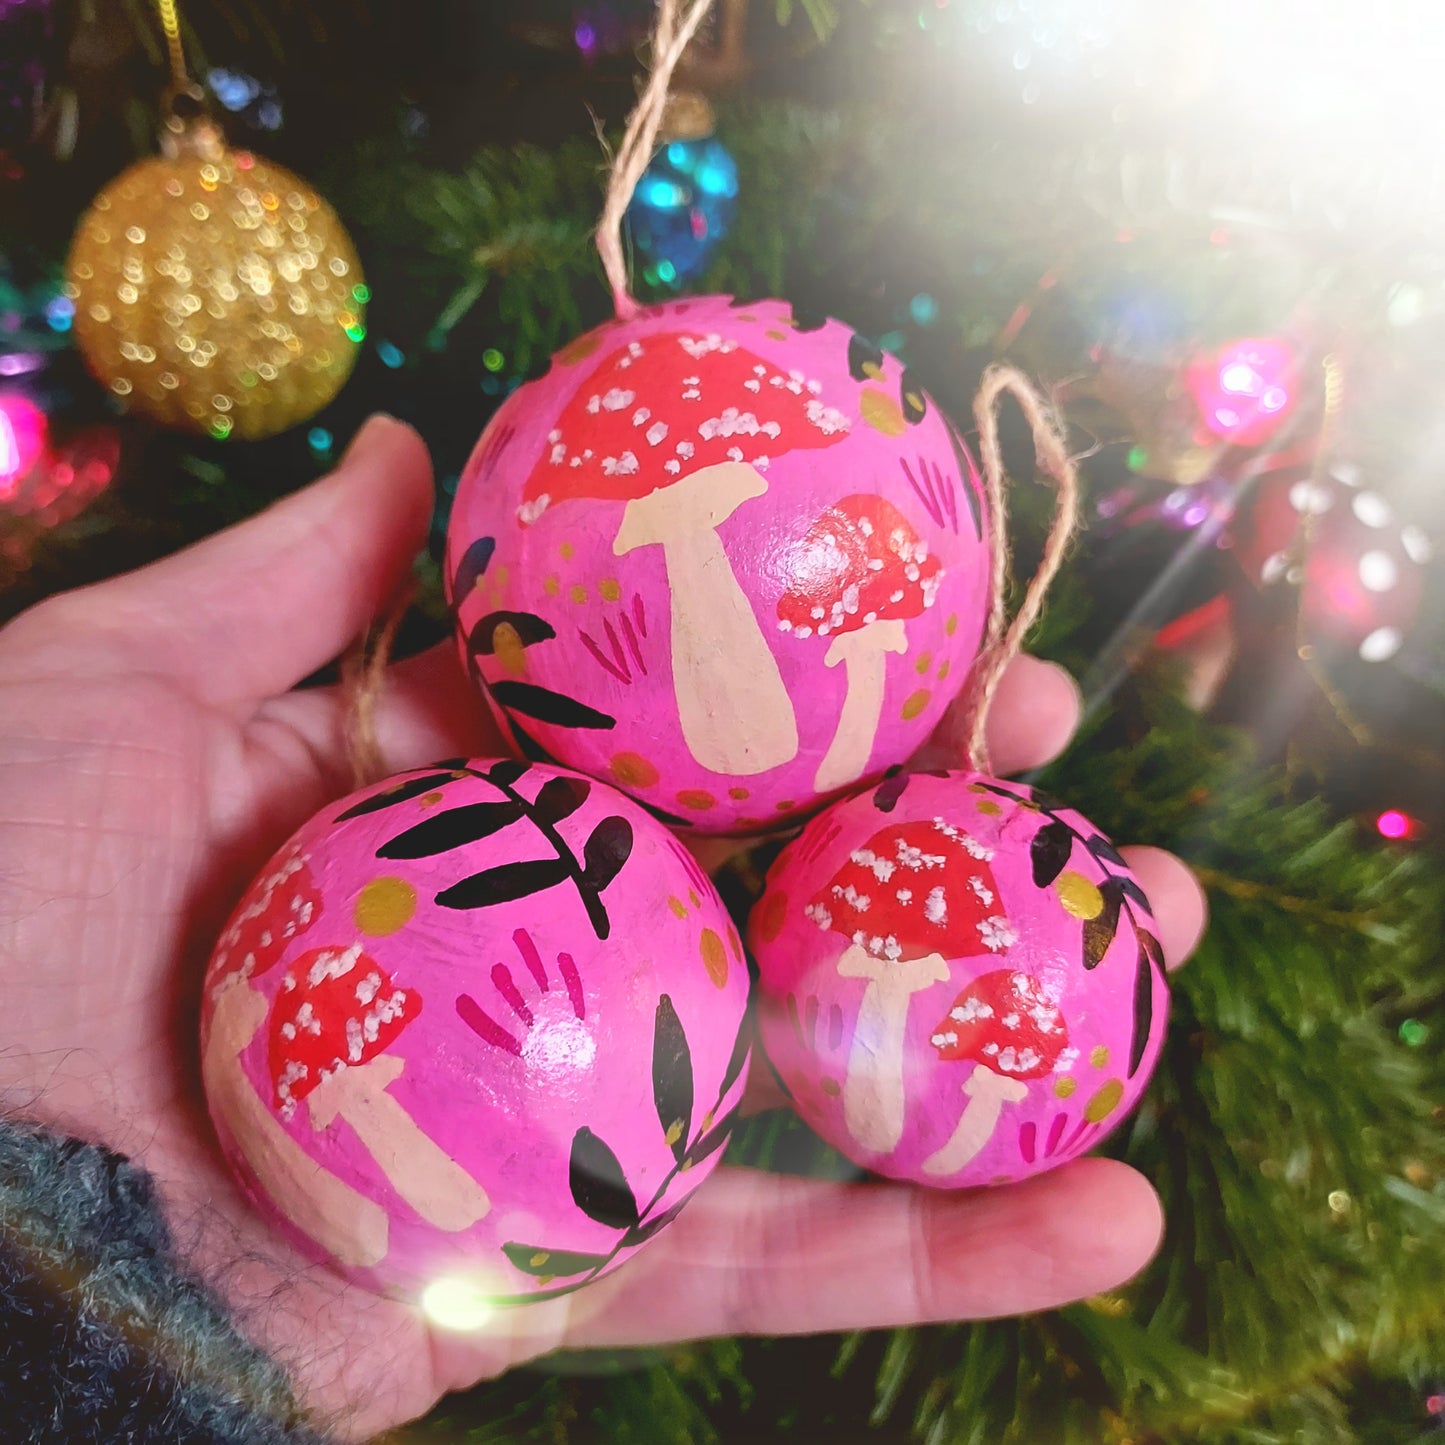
(1244, 390)
(23, 434)
(1392, 823)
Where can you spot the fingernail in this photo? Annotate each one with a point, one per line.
(366, 435)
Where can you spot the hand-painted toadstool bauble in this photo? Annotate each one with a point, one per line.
(732, 563)
(960, 981)
(477, 1028)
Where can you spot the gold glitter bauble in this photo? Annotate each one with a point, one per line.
(216, 292)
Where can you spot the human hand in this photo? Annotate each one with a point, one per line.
(154, 751)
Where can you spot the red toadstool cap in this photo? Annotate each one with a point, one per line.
(861, 561)
(672, 404)
(337, 1008)
(282, 903)
(914, 890)
(1007, 1021)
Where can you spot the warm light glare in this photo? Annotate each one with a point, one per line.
(1392, 823)
(456, 1304)
(23, 430)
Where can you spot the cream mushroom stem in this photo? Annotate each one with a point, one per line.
(873, 1084)
(735, 713)
(433, 1183)
(864, 657)
(987, 1093)
(348, 1226)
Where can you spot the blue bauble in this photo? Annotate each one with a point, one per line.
(682, 208)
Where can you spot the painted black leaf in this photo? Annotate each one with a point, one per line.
(504, 773)
(742, 1047)
(915, 403)
(453, 829)
(549, 1263)
(530, 629)
(472, 566)
(528, 746)
(560, 798)
(1151, 945)
(1050, 850)
(1101, 847)
(966, 472)
(805, 318)
(888, 792)
(402, 793)
(1136, 894)
(548, 706)
(505, 883)
(606, 850)
(672, 1077)
(1046, 801)
(1099, 932)
(673, 820)
(598, 1183)
(644, 1231)
(713, 1140)
(863, 355)
(1143, 1001)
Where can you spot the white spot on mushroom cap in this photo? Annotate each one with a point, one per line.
(332, 963)
(656, 433)
(528, 512)
(623, 466)
(616, 399)
(935, 906)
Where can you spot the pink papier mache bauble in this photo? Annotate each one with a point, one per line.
(731, 564)
(479, 1025)
(960, 982)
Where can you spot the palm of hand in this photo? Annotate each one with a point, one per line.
(152, 756)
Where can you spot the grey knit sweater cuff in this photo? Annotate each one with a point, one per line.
(105, 1337)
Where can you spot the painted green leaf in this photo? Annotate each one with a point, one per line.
(552, 1263)
(672, 1084)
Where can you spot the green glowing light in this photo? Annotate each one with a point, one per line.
(493, 359)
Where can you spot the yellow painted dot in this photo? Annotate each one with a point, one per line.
(674, 1133)
(1064, 1087)
(678, 906)
(1099, 1056)
(610, 588)
(1105, 1101)
(831, 1088)
(632, 770)
(580, 349)
(714, 957)
(501, 574)
(943, 670)
(951, 626)
(579, 593)
(735, 943)
(873, 369)
(693, 898)
(881, 412)
(989, 808)
(698, 799)
(384, 905)
(914, 704)
(511, 652)
(786, 806)
(551, 586)
(737, 794)
(925, 661)
(565, 551)
(1080, 897)
(771, 915)
(776, 335)
(430, 800)
(540, 1258)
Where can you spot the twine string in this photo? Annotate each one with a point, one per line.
(677, 23)
(1004, 639)
(363, 676)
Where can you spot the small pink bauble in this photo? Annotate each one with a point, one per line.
(481, 1026)
(731, 564)
(961, 982)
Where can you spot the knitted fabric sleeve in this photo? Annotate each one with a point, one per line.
(105, 1336)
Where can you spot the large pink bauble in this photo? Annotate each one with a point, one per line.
(731, 564)
(961, 982)
(481, 1026)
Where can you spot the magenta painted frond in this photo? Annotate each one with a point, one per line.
(810, 1014)
(531, 957)
(795, 1021)
(1056, 1132)
(632, 643)
(568, 969)
(835, 1026)
(484, 1026)
(639, 613)
(618, 669)
(502, 977)
(1028, 1136)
